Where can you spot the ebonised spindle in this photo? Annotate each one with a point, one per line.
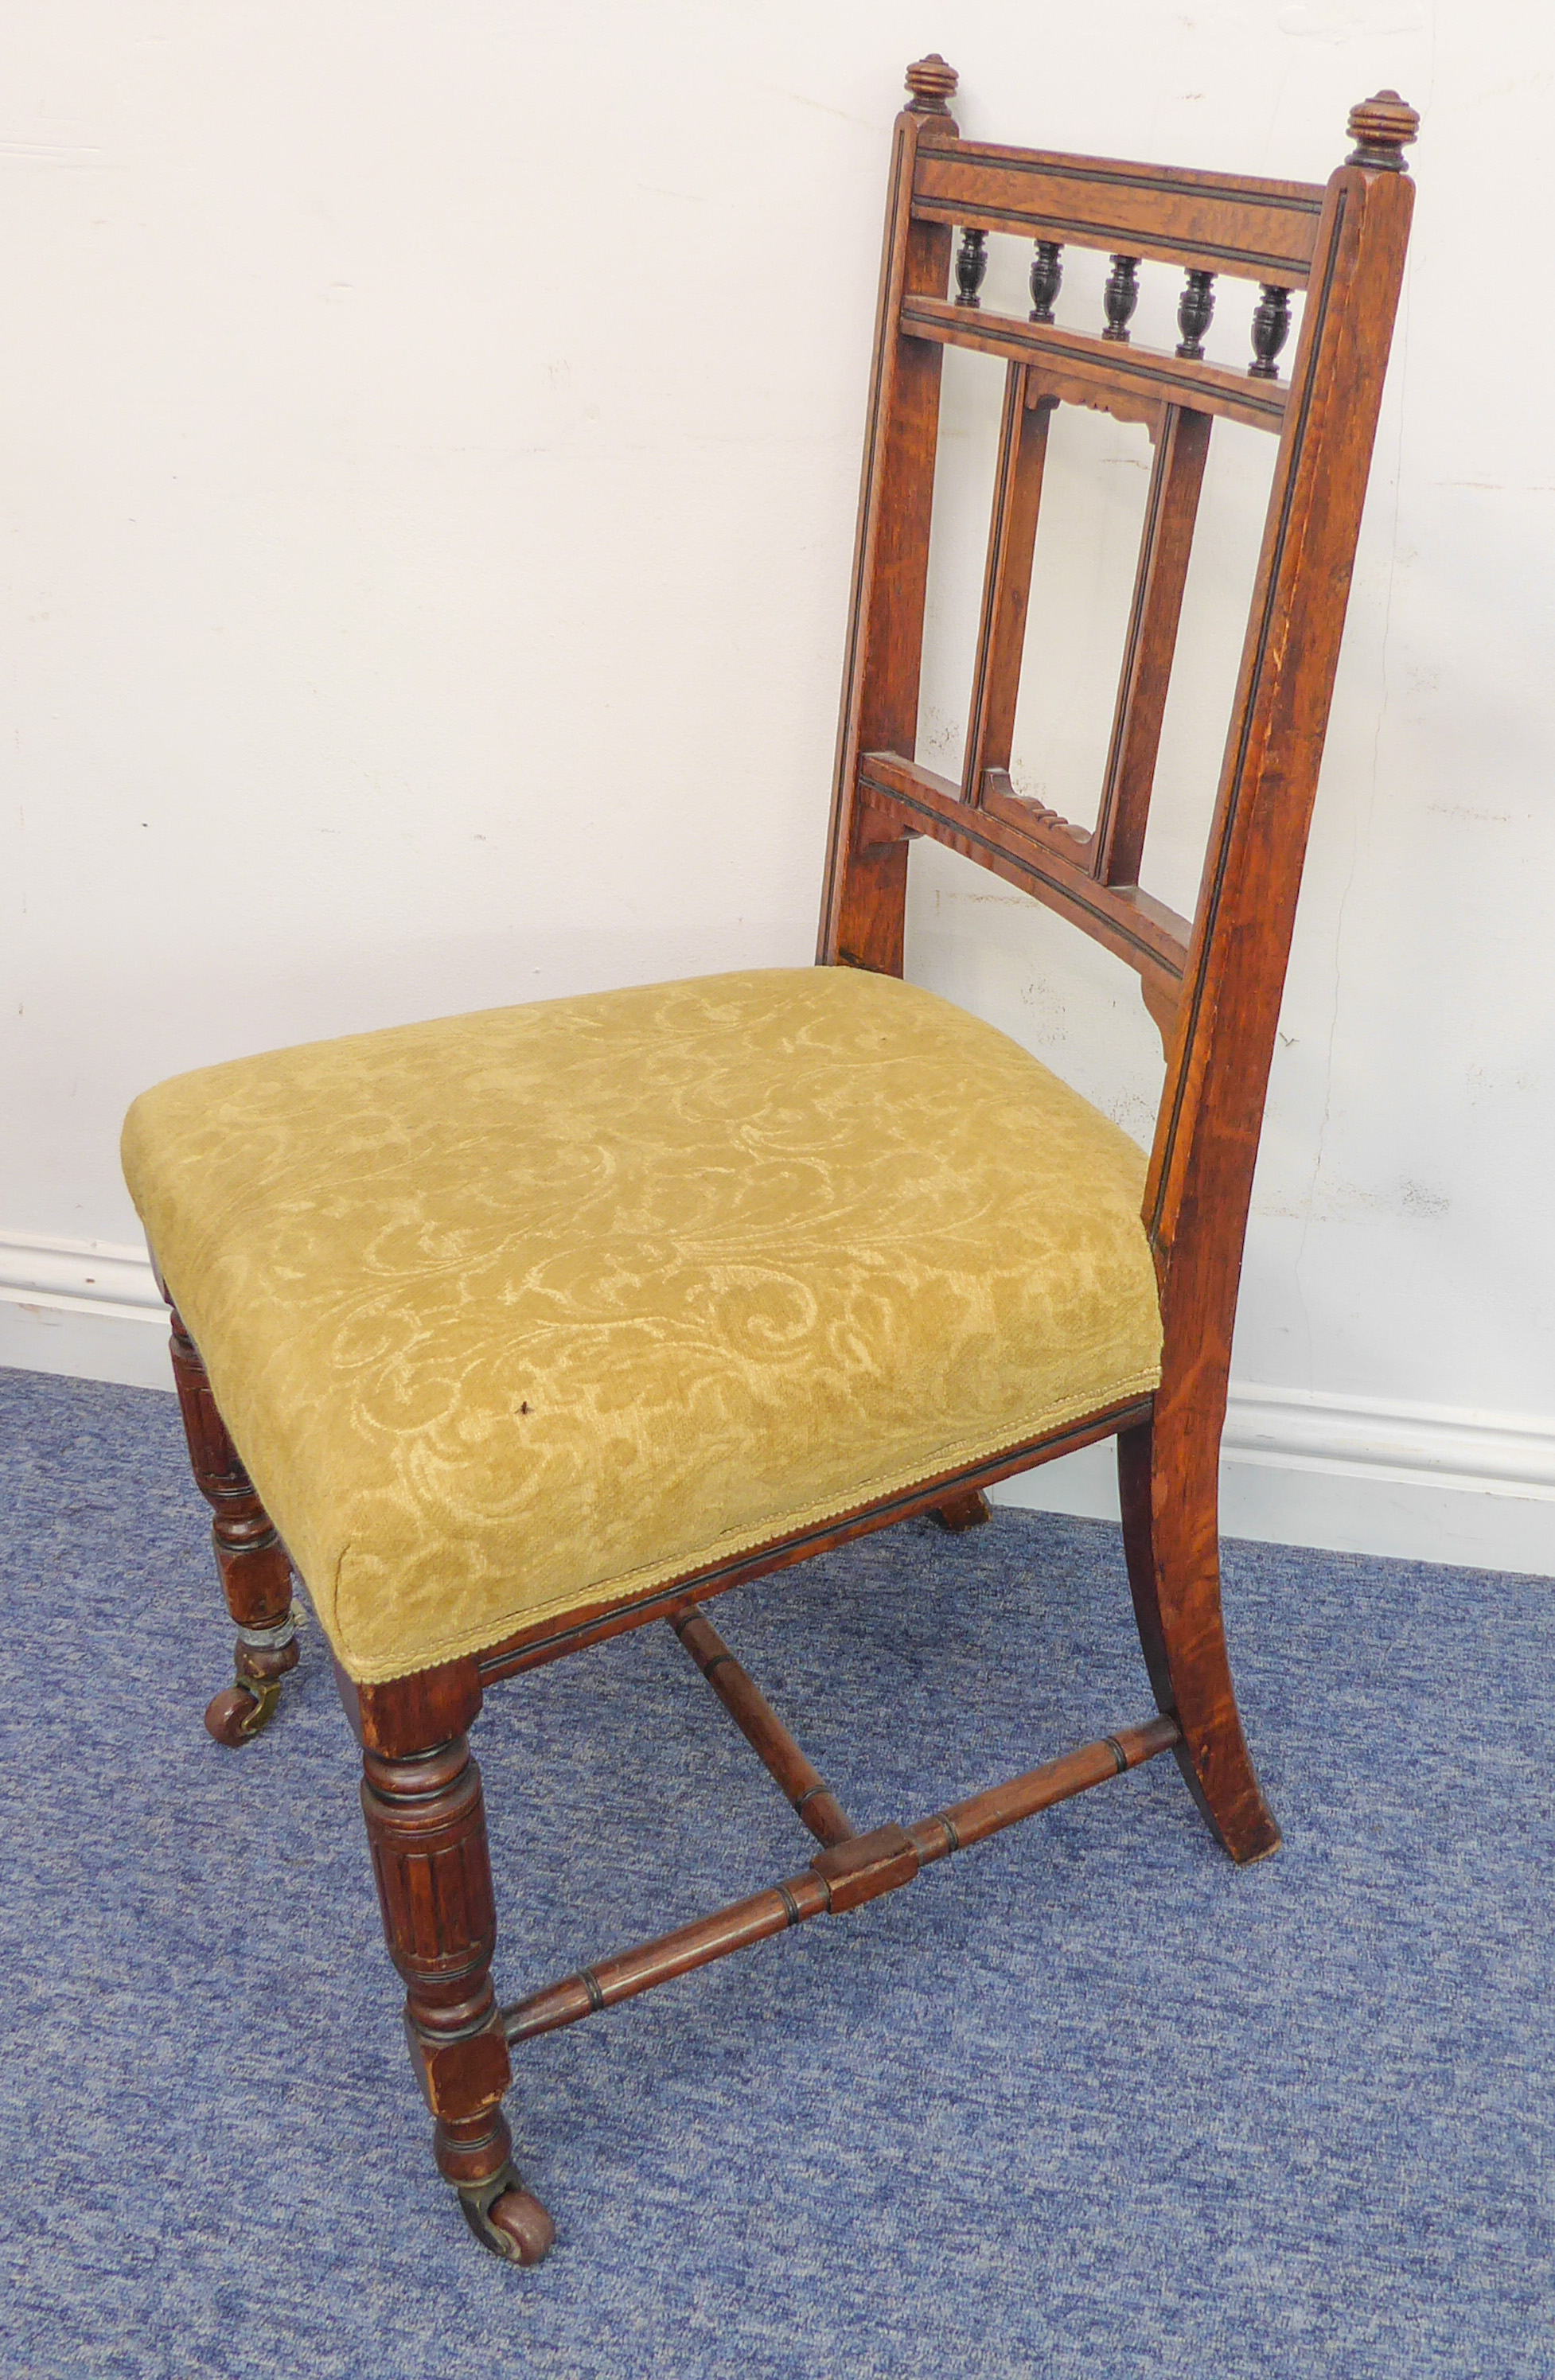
(971, 264)
(1271, 328)
(1195, 311)
(1047, 279)
(1121, 295)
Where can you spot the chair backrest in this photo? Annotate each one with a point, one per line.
(1212, 983)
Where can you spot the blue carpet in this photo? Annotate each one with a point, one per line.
(1086, 2101)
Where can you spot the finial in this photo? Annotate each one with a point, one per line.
(933, 83)
(1381, 126)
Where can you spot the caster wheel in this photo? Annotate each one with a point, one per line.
(520, 2216)
(509, 2220)
(234, 1716)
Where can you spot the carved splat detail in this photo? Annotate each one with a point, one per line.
(1121, 297)
(971, 264)
(1047, 279)
(1271, 328)
(1027, 811)
(1195, 311)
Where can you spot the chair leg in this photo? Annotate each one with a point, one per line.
(1168, 1480)
(256, 1573)
(969, 1509)
(426, 1823)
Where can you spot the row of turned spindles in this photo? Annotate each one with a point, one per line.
(1196, 307)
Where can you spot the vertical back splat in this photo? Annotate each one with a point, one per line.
(1018, 496)
(1165, 549)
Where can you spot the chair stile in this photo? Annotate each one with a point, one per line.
(1212, 984)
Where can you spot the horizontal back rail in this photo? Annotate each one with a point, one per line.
(1151, 937)
(1215, 223)
(1131, 381)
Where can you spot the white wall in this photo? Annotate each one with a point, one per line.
(428, 448)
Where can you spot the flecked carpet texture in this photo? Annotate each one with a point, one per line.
(1086, 2101)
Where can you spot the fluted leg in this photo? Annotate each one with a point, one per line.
(426, 1822)
(255, 1572)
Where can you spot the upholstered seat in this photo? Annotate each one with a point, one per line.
(516, 1312)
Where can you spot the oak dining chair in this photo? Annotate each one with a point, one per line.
(510, 1331)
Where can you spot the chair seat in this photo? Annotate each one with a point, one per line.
(514, 1313)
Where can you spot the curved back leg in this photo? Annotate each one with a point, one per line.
(1168, 1482)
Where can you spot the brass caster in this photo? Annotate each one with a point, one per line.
(239, 1711)
(264, 1654)
(508, 2219)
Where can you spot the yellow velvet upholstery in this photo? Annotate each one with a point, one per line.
(522, 1311)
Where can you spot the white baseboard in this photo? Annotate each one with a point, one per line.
(1359, 1474)
(85, 1307)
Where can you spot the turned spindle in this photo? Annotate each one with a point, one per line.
(1271, 328)
(1195, 311)
(1381, 127)
(1047, 278)
(933, 85)
(1121, 295)
(971, 264)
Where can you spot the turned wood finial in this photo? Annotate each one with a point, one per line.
(932, 84)
(1380, 127)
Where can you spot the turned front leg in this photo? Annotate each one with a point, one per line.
(256, 1573)
(426, 1822)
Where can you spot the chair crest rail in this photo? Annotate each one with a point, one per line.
(1253, 229)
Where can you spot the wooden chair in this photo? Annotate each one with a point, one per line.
(527, 1329)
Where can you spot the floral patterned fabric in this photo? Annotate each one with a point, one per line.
(513, 1312)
